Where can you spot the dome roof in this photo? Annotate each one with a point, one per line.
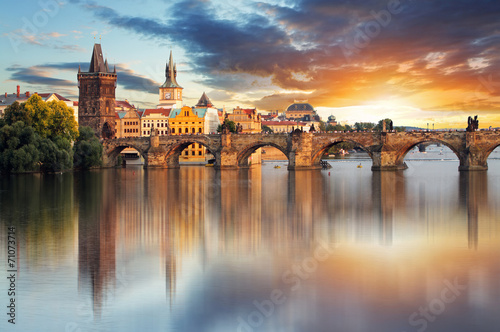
(300, 107)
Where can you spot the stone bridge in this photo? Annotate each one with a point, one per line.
(305, 150)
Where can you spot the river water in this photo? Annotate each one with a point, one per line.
(264, 249)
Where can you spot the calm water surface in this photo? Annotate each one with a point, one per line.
(263, 249)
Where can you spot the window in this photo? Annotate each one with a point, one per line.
(192, 152)
(199, 130)
(199, 153)
(192, 130)
(187, 130)
(173, 130)
(186, 152)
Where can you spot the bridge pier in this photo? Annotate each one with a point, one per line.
(387, 161)
(473, 158)
(300, 157)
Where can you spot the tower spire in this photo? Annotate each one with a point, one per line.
(171, 74)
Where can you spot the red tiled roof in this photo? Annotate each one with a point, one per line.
(47, 95)
(163, 111)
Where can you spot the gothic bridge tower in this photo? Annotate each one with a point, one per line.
(96, 102)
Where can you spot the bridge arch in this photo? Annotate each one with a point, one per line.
(113, 151)
(402, 152)
(490, 150)
(318, 154)
(246, 152)
(174, 150)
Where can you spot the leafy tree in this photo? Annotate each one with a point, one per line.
(87, 149)
(362, 126)
(16, 112)
(19, 148)
(62, 121)
(229, 124)
(322, 126)
(380, 124)
(267, 129)
(56, 154)
(50, 119)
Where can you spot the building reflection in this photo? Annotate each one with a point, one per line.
(97, 233)
(203, 214)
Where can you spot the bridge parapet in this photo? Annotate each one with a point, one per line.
(305, 150)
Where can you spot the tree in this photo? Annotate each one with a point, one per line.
(16, 112)
(56, 154)
(229, 124)
(267, 129)
(380, 124)
(19, 148)
(50, 119)
(87, 149)
(62, 121)
(322, 126)
(362, 126)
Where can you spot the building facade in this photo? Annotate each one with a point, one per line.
(248, 118)
(301, 110)
(185, 121)
(127, 123)
(96, 101)
(155, 118)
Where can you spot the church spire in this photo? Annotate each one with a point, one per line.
(170, 74)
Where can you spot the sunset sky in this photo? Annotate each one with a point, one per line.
(415, 61)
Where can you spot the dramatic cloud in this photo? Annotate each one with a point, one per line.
(47, 74)
(346, 51)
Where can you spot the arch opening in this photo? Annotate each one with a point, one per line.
(341, 149)
(259, 152)
(493, 154)
(190, 152)
(123, 155)
(428, 150)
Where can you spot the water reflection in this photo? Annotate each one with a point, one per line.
(194, 248)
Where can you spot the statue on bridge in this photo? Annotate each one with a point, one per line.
(154, 131)
(239, 128)
(312, 129)
(472, 124)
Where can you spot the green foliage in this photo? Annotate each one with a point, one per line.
(19, 148)
(56, 155)
(87, 149)
(50, 119)
(322, 126)
(267, 129)
(16, 112)
(364, 126)
(230, 125)
(36, 136)
(62, 122)
(342, 145)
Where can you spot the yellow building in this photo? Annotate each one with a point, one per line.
(249, 119)
(127, 124)
(186, 121)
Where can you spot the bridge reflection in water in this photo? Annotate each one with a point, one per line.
(198, 212)
(195, 247)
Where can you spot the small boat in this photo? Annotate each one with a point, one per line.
(360, 166)
(209, 165)
(277, 166)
